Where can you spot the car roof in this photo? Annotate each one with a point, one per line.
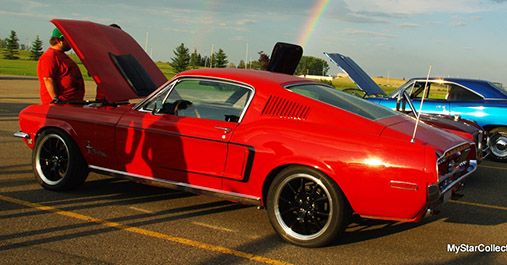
(254, 78)
(485, 88)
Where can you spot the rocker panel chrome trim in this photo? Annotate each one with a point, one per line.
(233, 196)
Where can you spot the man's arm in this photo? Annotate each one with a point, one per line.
(50, 86)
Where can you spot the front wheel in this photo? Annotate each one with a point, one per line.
(57, 161)
(306, 207)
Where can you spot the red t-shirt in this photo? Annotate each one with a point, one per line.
(66, 74)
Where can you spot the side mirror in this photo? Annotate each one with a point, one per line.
(154, 110)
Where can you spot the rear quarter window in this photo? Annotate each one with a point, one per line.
(350, 103)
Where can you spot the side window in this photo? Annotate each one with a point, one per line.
(457, 93)
(435, 91)
(205, 99)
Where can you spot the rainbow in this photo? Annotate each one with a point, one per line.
(313, 20)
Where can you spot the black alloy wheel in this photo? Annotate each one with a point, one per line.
(57, 162)
(306, 207)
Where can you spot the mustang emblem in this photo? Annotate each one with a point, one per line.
(92, 150)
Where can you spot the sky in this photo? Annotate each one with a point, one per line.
(389, 38)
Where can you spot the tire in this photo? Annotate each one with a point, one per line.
(498, 144)
(57, 161)
(307, 208)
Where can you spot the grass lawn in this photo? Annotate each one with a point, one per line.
(26, 67)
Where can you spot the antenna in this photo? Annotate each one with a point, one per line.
(420, 107)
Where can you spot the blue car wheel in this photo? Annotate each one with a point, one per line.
(498, 144)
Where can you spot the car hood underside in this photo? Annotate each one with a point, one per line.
(119, 66)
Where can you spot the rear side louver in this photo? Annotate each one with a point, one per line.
(284, 108)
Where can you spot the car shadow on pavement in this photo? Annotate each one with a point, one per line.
(11, 110)
(361, 229)
(257, 247)
(465, 213)
(108, 193)
(18, 78)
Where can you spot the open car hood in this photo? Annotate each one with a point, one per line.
(357, 74)
(119, 66)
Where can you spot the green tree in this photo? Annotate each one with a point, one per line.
(12, 47)
(220, 59)
(309, 65)
(254, 65)
(36, 50)
(241, 65)
(263, 60)
(181, 61)
(195, 60)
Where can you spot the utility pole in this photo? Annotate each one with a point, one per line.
(246, 55)
(211, 57)
(146, 43)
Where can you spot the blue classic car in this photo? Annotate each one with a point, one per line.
(480, 101)
(477, 100)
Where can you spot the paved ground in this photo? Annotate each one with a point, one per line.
(112, 221)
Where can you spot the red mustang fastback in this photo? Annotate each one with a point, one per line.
(308, 153)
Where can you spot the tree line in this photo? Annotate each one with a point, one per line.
(182, 59)
(11, 47)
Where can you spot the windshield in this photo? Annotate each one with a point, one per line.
(343, 101)
(477, 85)
(397, 91)
(499, 87)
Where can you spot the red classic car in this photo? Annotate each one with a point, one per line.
(308, 153)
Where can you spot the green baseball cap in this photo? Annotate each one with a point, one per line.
(57, 34)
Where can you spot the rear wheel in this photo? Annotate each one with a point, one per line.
(498, 144)
(57, 162)
(306, 207)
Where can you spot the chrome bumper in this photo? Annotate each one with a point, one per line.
(23, 135)
(434, 193)
(482, 148)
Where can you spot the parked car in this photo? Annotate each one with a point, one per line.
(308, 153)
(477, 100)
(401, 101)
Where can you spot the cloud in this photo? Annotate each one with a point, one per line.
(408, 25)
(458, 24)
(243, 22)
(412, 7)
(366, 33)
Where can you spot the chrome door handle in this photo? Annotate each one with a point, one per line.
(226, 130)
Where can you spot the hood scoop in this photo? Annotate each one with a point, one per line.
(284, 108)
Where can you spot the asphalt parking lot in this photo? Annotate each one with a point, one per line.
(113, 221)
